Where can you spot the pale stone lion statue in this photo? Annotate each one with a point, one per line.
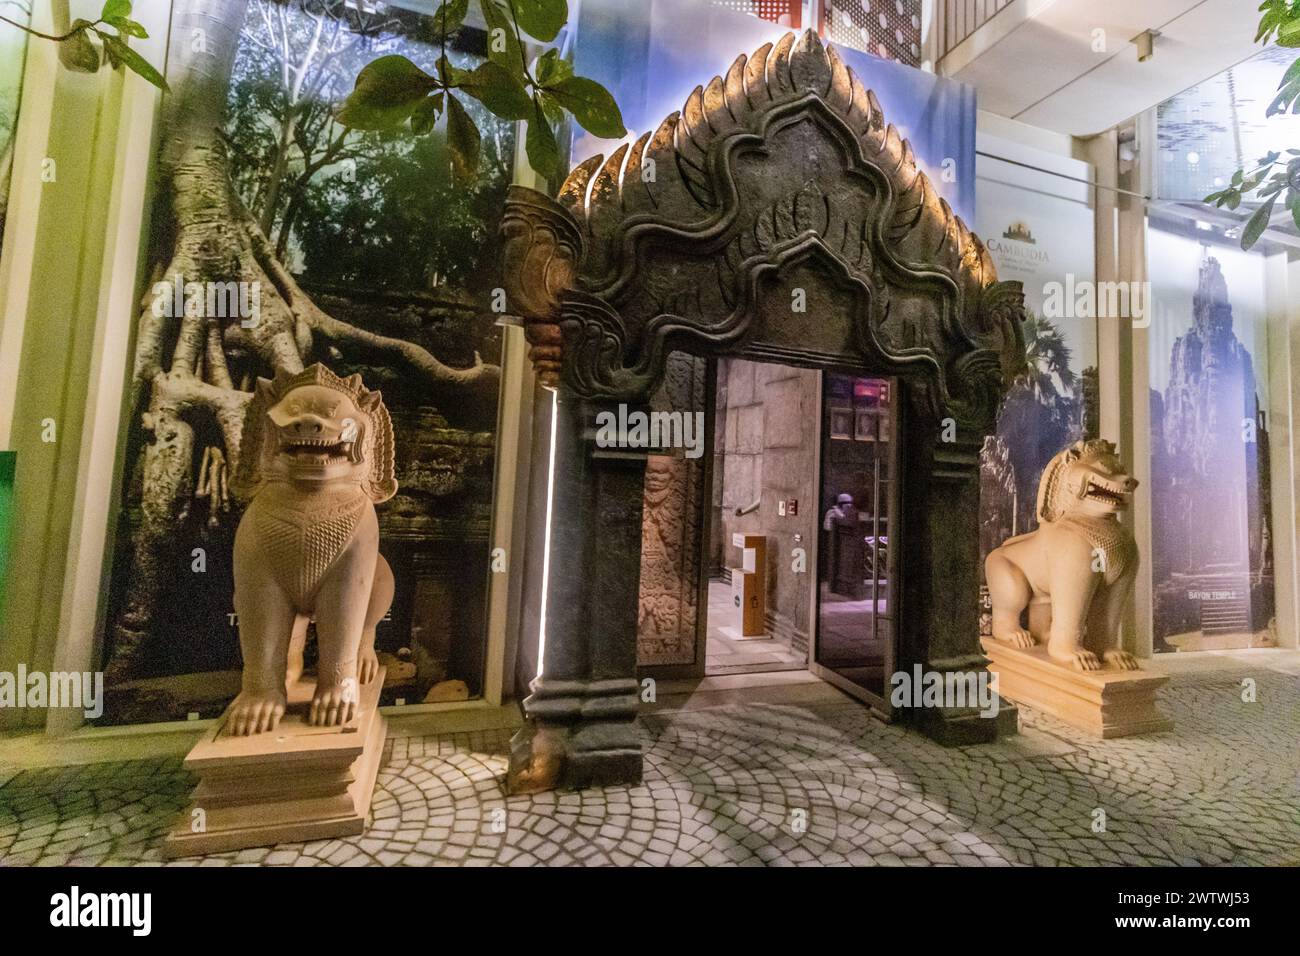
(1074, 574)
(316, 456)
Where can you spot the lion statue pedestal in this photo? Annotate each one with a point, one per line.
(1059, 594)
(296, 758)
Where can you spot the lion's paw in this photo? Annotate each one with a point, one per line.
(334, 704)
(1122, 660)
(1077, 658)
(1015, 636)
(255, 712)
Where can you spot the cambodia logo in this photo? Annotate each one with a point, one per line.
(1019, 231)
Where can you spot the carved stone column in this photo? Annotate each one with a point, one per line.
(941, 575)
(582, 729)
(581, 716)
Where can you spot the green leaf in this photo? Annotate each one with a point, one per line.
(450, 73)
(551, 68)
(387, 91)
(1275, 14)
(77, 52)
(448, 17)
(591, 105)
(463, 139)
(1273, 187)
(114, 61)
(133, 61)
(551, 109)
(426, 113)
(542, 19)
(502, 40)
(497, 88)
(1292, 73)
(543, 151)
(1293, 203)
(1288, 98)
(1257, 224)
(115, 8)
(127, 27)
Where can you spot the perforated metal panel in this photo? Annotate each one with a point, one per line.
(890, 29)
(785, 12)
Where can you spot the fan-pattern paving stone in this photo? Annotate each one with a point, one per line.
(766, 784)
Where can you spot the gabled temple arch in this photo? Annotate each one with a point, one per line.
(780, 174)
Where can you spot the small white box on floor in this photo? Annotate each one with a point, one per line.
(747, 598)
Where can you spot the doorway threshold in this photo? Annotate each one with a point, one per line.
(773, 687)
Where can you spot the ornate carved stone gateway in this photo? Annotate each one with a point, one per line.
(778, 183)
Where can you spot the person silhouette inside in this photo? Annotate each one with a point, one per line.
(847, 547)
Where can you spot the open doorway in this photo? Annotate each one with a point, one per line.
(763, 518)
(800, 572)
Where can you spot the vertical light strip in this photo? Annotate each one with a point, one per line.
(546, 545)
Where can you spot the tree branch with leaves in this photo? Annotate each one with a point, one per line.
(78, 51)
(392, 91)
(1276, 176)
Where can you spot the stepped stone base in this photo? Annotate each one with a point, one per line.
(295, 783)
(1108, 703)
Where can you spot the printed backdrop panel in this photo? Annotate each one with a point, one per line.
(342, 247)
(1039, 229)
(1212, 560)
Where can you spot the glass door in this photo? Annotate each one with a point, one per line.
(857, 482)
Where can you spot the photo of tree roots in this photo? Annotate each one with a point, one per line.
(358, 249)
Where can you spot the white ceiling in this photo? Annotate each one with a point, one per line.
(1035, 61)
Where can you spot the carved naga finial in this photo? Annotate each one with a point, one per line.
(542, 249)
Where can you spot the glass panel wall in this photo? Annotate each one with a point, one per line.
(859, 463)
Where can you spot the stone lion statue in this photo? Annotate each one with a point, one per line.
(316, 456)
(1074, 574)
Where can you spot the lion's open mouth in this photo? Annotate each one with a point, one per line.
(1107, 495)
(316, 451)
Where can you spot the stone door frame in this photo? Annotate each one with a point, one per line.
(778, 185)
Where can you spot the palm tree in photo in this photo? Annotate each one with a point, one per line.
(1041, 412)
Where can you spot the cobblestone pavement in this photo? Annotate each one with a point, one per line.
(774, 784)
